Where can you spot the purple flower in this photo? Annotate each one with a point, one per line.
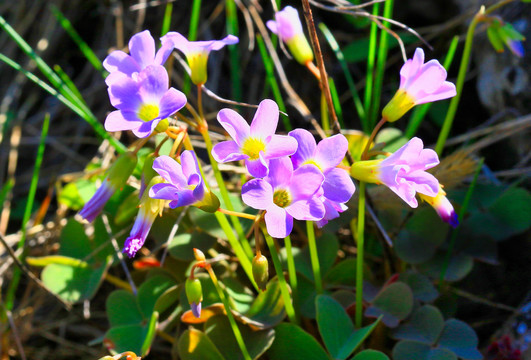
(142, 49)
(326, 155)
(196, 52)
(332, 211)
(287, 25)
(184, 182)
(442, 206)
(420, 83)
(97, 202)
(196, 309)
(256, 144)
(286, 194)
(403, 172)
(143, 102)
(149, 209)
(116, 178)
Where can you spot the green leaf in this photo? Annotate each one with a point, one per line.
(458, 267)
(327, 247)
(343, 273)
(181, 247)
(74, 195)
(74, 241)
(461, 339)
(336, 328)
(149, 333)
(494, 37)
(293, 343)
(219, 331)
(425, 326)
(122, 309)
(195, 345)
(268, 308)
(371, 355)
(421, 237)
(394, 302)
(408, 350)
(150, 291)
(125, 338)
(393, 139)
(73, 283)
(421, 286)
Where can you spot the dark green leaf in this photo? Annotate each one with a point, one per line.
(394, 302)
(293, 343)
(150, 291)
(461, 339)
(421, 286)
(268, 308)
(195, 345)
(122, 309)
(458, 267)
(181, 247)
(371, 355)
(425, 326)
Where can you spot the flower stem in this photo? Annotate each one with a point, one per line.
(292, 276)
(233, 324)
(236, 213)
(463, 67)
(314, 257)
(281, 279)
(371, 139)
(359, 258)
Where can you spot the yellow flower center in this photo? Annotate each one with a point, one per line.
(148, 112)
(252, 147)
(312, 161)
(281, 198)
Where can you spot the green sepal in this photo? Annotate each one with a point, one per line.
(194, 291)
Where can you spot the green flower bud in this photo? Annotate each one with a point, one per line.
(162, 125)
(121, 169)
(260, 271)
(194, 291)
(210, 202)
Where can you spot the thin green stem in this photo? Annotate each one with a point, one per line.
(292, 272)
(314, 257)
(281, 279)
(325, 121)
(455, 231)
(380, 63)
(370, 64)
(232, 28)
(227, 229)
(232, 321)
(463, 68)
(359, 257)
(27, 211)
(166, 21)
(371, 138)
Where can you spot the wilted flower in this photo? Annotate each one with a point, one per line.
(442, 206)
(419, 84)
(196, 52)
(149, 209)
(116, 178)
(403, 172)
(287, 25)
(256, 144)
(142, 49)
(184, 184)
(286, 194)
(144, 103)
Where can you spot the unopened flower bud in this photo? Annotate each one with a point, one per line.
(199, 256)
(194, 293)
(116, 179)
(260, 271)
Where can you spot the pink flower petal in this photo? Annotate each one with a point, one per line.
(311, 209)
(331, 151)
(265, 119)
(338, 185)
(116, 121)
(171, 102)
(445, 91)
(154, 83)
(226, 151)
(257, 194)
(280, 173)
(306, 181)
(279, 224)
(142, 48)
(170, 170)
(257, 168)
(279, 146)
(120, 61)
(234, 124)
(306, 146)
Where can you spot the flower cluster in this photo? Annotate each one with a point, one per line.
(306, 186)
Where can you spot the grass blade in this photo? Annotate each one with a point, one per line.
(27, 211)
(272, 80)
(336, 102)
(380, 64)
(370, 65)
(166, 21)
(89, 118)
(348, 76)
(232, 28)
(85, 49)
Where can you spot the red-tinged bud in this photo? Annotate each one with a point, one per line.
(260, 271)
(199, 256)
